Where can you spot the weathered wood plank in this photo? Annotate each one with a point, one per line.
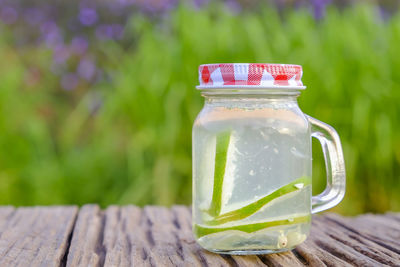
(314, 250)
(88, 228)
(373, 228)
(282, 259)
(358, 242)
(5, 213)
(158, 236)
(35, 236)
(326, 239)
(130, 236)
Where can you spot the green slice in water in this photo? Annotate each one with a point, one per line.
(251, 208)
(248, 228)
(221, 154)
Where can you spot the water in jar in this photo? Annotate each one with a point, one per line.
(252, 178)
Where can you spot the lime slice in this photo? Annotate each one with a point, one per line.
(200, 230)
(251, 208)
(221, 153)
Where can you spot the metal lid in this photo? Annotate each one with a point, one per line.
(250, 75)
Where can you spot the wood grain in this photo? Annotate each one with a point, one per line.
(36, 236)
(159, 236)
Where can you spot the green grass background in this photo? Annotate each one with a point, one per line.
(55, 148)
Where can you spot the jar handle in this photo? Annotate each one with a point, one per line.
(334, 163)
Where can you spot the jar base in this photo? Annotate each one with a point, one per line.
(250, 251)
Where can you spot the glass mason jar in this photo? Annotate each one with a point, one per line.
(252, 160)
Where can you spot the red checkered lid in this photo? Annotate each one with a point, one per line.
(250, 75)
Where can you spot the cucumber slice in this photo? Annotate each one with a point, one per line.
(252, 208)
(200, 230)
(221, 154)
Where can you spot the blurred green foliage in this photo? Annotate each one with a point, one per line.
(129, 140)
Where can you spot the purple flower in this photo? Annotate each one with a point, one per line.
(48, 26)
(168, 4)
(126, 2)
(53, 39)
(157, 6)
(79, 45)
(61, 54)
(280, 5)
(69, 81)
(88, 16)
(384, 13)
(319, 8)
(118, 31)
(200, 3)
(8, 15)
(104, 32)
(86, 69)
(233, 5)
(51, 34)
(119, 7)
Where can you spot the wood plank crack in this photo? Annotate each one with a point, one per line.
(68, 244)
(231, 261)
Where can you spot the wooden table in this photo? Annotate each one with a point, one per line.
(158, 236)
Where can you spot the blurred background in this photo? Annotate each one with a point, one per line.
(97, 98)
